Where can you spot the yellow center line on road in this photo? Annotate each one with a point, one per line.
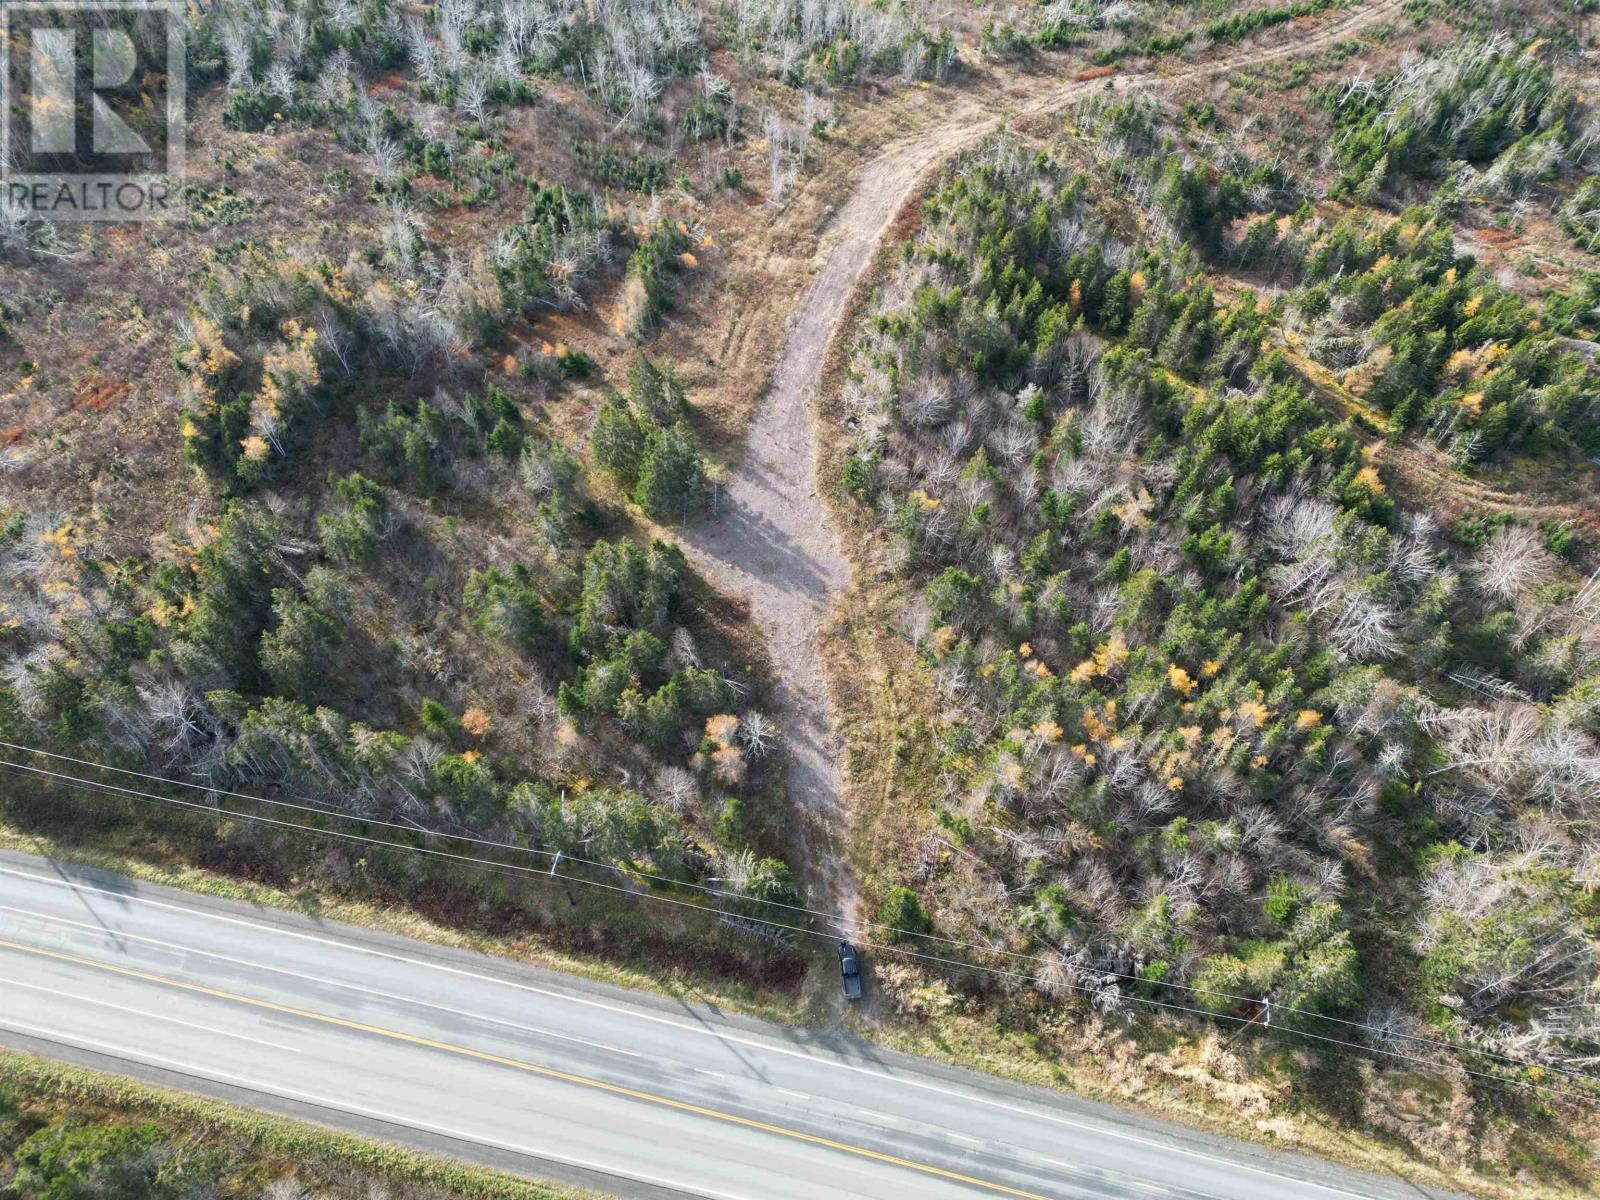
(530, 1068)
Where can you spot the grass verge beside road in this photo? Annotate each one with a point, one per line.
(149, 862)
(239, 1152)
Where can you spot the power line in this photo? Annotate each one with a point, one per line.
(469, 839)
(850, 923)
(98, 787)
(103, 788)
(723, 893)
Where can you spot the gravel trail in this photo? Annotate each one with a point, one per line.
(772, 539)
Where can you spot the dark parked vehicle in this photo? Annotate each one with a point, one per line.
(849, 971)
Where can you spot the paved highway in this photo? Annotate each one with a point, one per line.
(533, 1071)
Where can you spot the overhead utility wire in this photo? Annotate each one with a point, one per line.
(856, 923)
(99, 787)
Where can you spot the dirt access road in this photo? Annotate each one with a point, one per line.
(772, 540)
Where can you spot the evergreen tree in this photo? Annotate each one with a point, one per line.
(506, 606)
(672, 482)
(353, 535)
(297, 653)
(1370, 189)
(618, 440)
(654, 393)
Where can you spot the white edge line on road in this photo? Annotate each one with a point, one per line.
(322, 979)
(883, 1122)
(953, 1093)
(346, 1106)
(150, 1016)
(887, 1123)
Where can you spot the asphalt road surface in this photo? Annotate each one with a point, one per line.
(555, 1077)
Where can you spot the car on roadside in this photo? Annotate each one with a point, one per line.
(850, 971)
